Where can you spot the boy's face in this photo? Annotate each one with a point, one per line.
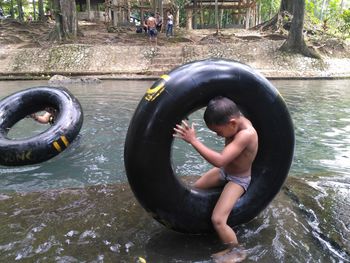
(225, 130)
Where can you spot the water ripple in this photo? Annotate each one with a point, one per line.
(307, 222)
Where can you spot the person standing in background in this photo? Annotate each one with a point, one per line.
(170, 24)
(159, 22)
(151, 27)
(2, 15)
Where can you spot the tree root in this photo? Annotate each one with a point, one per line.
(301, 49)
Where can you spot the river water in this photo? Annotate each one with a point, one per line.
(78, 207)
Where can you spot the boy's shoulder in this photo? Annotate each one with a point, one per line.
(247, 133)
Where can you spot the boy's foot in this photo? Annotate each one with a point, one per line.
(230, 255)
(220, 253)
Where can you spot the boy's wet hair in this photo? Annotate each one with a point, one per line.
(220, 110)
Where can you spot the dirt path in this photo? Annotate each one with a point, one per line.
(35, 34)
(23, 43)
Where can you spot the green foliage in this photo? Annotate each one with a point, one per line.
(311, 13)
(6, 6)
(346, 16)
(269, 8)
(345, 28)
(321, 9)
(333, 16)
(327, 15)
(182, 12)
(12, 6)
(334, 10)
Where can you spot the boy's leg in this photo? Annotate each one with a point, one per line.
(209, 180)
(228, 198)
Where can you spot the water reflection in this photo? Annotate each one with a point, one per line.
(84, 211)
(320, 111)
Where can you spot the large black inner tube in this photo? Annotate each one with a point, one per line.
(174, 96)
(47, 144)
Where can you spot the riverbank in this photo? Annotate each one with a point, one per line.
(125, 54)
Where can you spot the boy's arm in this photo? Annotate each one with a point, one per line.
(229, 153)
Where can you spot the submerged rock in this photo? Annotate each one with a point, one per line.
(60, 79)
(324, 202)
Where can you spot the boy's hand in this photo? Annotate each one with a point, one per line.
(185, 132)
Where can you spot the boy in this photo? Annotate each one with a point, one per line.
(47, 118)
(159, 22)
(170, 24)
(232, 166)
(151, 27)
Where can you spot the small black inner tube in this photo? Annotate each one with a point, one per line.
(47, 144)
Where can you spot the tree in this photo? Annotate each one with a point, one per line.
(34, 10)
(290, 17)
(20, 10)
(12, 10)
(295, 42)
(323, 8)
(217, 17)
(41, 10)
(286, 8)
(66, 20)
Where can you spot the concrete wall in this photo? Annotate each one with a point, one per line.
(86, 59)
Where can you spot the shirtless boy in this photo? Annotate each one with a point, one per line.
(152, 28)
(48, 117)
(232, 166)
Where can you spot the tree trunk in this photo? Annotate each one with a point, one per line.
(342, 5)
(188, 19)
(277, 20)
(12, 10)
(41, 10)
(323, 7)
(271, 8)
(295, 42)
(221, 20)
(154, 6)
(247, 18)
(20, 10)
(160, 10)
(34, 10)
(194, 15)
(201, 16)
(287, 5)
(217, 17)
(88, 9)
(66, 20)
